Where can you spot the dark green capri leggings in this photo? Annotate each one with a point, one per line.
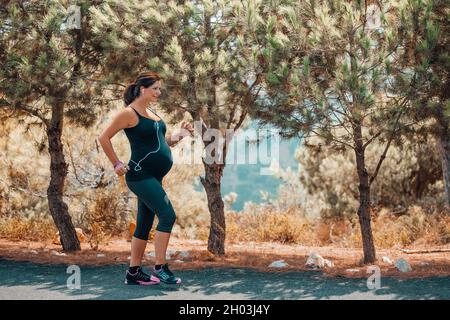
(152, 199)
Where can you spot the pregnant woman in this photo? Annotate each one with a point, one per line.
(151, 160)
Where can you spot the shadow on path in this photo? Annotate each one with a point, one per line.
(26, 280)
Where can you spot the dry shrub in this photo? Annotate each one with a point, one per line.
(34, 229)
(108, 216)
(334, 231)
(410, 173)
(283, 227)
(323, 233)
(190, 205)
(416, 227)
(18, 178)
(265, 223)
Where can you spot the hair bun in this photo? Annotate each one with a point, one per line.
(135, 89)
(145, 79)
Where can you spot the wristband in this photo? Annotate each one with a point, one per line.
(117, 163)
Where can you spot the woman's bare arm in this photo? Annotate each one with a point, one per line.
(120, 121)
(186, 129)
(173, 139)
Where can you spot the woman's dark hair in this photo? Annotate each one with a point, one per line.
(145, 79)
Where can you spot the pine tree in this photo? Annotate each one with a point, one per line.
(327, 69)
(426, 60)
(203, 52)
(48, 66)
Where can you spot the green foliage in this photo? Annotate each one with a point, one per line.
(348, 67)
(43, 63)
(201, 50)
(306, 66)
(427, 35)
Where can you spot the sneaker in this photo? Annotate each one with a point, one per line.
(165, 275)
(140, 278)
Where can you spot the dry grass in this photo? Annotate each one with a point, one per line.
(271, 226)
(415, 227)
(107, 218)
(36, 229)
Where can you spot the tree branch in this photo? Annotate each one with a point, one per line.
(247, 98)
(383, 156)
(333, 139)
(28, 109)
(402, 104)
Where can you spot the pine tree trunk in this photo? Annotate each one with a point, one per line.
(444, 147)
(211, 183)
(364, 200)
(58, 172)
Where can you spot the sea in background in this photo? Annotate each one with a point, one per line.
(248, 181)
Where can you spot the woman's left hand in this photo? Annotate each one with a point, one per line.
(186, 129)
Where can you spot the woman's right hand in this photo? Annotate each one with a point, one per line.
(121, 169)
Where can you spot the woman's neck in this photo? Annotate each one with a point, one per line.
(140, 104)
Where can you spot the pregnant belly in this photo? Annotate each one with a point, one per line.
(163, 163)
(158, 164)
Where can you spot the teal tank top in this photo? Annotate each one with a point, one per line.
(150, 154)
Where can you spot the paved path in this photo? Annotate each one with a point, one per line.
(25, 280)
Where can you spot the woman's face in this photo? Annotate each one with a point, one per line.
(153, 92)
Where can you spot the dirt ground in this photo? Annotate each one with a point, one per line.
(238, 255)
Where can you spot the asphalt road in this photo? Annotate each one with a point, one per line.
(29, 281)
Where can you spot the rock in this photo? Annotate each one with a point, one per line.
(278, 264)
(170, 253)
(352, 270)
(387, 260)
(101, 255)
(403, 265)
(80, 235)
(129, 258)
(33, 252)
(184, 254)
(56, 253)
(179, 261)
(328, 263)
(315, 261)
